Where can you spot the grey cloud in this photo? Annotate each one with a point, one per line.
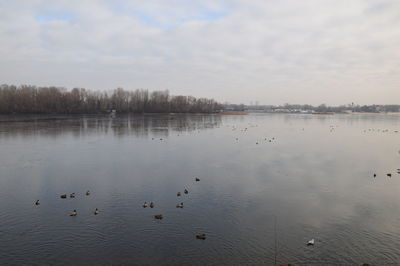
(312, 51)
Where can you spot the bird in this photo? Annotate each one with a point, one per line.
(37, 202)
(87, 193)
(96, 211)
(145, 204)
(186, 191)
(158, 216)
(389, 175)
(197, 179)
(180, 205)
(72, 195)
(63, 196)
(73, 213)
(151, 205)
(178, 194)
(374, 175)
(201, 236)
(311, 242)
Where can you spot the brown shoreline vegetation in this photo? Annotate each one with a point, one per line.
(28, 99)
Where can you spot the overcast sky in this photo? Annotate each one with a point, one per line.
(241, 51)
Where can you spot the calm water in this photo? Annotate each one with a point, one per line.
(315, 177)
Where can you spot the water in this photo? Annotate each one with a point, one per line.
(315, 177)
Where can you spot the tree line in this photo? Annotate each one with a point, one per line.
(28, 99)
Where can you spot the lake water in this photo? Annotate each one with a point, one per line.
(315, 179)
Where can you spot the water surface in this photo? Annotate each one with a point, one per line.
(313, 174)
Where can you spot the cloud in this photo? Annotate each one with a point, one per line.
(312, 51)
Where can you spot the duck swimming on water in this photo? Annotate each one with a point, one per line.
(151, 205)
(145, 204)
(158, 217)
(74, 213)
(63, 196)
(201, 236)
(72, 195)
(37, 202)
(96, 211)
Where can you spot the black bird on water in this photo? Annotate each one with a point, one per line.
(158, 217)
(201, 236)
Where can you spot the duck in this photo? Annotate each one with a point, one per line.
(72, 195)
(158, 216)
(197, 179)
(63, 196)
(151, 205)
(145, 204)
(180, 205)
(37, 202)
(74, 213)
(87, 193)
(96, 211)
(389, 175)
(374, 175)
(186, 191)
(311, 242)
(178, 194)
(201, 236)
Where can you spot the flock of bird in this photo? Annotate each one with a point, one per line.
(380, 130)
(72, 195)
(145, 205)
(389, 174)
(179, 205)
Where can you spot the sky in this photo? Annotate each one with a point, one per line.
(241, 51)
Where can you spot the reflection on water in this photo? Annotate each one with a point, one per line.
(140, 125)
(314, 173)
